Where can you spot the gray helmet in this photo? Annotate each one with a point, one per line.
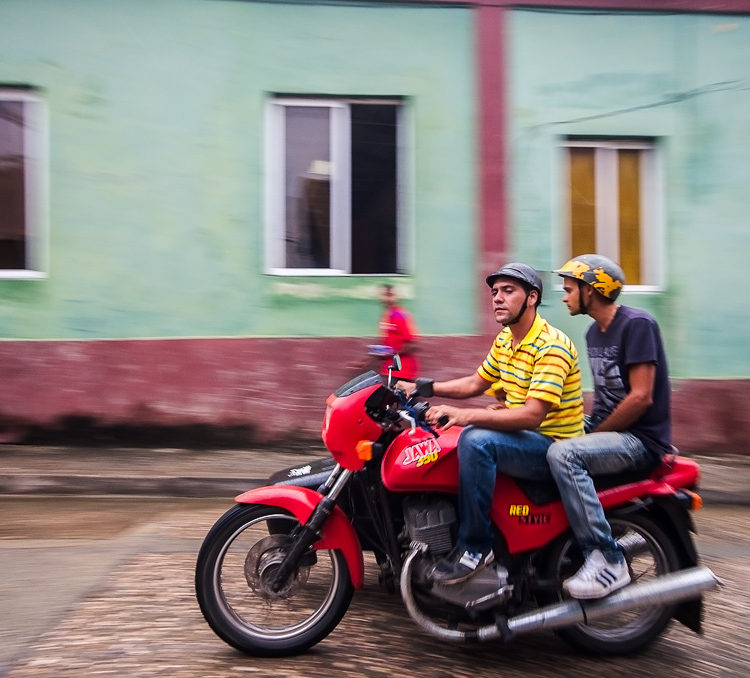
(523, 273)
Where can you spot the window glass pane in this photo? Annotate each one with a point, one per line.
(333, 186)
(629, 182)
(614, 204)
(374, 174)
(582, 201)
(12, 186)
(307, 186)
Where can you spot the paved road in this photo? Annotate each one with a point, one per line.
(95, 587)
(71, 471)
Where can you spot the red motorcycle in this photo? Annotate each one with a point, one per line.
(277, 572)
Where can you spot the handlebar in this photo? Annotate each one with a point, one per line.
(414, 411)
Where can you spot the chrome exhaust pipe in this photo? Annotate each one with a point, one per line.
(664, 590)
(667, 589)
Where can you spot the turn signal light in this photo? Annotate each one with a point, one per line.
(364, 450)
(696, 502)
(690, 500)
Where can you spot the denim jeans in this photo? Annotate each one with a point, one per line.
(573, 461)
(482, 453)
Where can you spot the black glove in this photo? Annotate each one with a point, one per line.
(425, 387)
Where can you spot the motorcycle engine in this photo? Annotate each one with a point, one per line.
(432, 523)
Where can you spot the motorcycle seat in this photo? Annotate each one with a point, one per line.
(546, 491)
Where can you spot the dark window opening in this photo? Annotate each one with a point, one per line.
(374, 188)
(12, 186)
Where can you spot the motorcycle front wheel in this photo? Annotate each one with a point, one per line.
(649, 554)
(233, 582)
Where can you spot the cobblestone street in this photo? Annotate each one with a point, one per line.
(139, 616)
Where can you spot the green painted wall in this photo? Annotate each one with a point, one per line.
(684, 79)
(156, 174)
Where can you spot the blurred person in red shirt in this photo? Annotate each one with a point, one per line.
(398, 334)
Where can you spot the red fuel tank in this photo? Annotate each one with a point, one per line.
(419, 462)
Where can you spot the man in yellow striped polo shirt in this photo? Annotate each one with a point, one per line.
(533, 369)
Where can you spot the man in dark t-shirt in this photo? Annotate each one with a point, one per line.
(632, 338)
(629, 427)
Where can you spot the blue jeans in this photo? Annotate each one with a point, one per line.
(573, 461)
(482, 453)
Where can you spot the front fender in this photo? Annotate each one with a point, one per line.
(337, 532)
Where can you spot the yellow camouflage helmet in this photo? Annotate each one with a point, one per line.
(603, 274)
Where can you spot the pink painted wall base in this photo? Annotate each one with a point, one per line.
(256, 391)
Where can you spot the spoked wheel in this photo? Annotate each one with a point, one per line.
(649, 554)
(234, 582)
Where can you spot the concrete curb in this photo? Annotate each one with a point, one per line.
(81, 485)
(207, 487)
(70, 471)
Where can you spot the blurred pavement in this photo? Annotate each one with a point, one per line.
(166, 472)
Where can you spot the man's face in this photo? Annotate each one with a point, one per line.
(572, 296)
(507, 299)
(387, 297)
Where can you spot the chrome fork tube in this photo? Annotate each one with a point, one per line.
(309, 533)
(337, 483)
(325, 488)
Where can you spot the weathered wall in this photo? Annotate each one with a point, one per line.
(156, 168)
(156, 161)
(263, 389)
(683, 79)
(244, 391)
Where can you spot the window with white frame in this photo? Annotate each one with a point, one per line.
(613, 193)
(334, 186)
(23, 171)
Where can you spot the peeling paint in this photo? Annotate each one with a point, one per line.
(725, 27)
(310, 290)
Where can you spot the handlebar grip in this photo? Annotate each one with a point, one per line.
(442, 421)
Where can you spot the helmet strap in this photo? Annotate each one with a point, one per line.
(583, 308)
(517, 317)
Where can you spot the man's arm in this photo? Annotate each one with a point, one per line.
(527, 417)
(636, 402)
(460, 388)
(463, 387)
(409, 347)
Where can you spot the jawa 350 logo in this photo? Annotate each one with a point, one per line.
(422, 453)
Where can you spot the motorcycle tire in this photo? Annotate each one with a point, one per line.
(233, 576)
(650, 554)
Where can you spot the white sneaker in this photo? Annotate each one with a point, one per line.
(597, 578)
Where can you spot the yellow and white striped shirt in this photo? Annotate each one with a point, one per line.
(544, 365)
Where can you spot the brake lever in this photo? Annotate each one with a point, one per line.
(414, 414)
(404, 414)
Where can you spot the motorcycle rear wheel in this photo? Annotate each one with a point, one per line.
(650, 554)
(233, 578)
